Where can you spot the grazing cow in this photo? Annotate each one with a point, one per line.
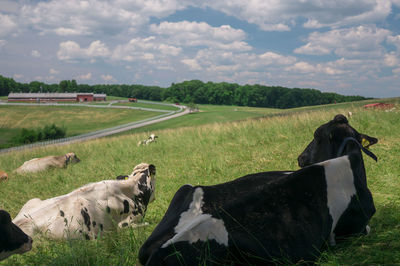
(12, 239)
(261, 217)
(41, 164)
(152, 138)
(349, 114)
(3, 176)
(92, 208)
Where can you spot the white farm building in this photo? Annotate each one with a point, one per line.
(56, 97)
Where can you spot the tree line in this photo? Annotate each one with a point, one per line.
(194, 91)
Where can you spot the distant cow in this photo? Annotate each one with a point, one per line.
(12, 239)
(3, 176)
(349, 114)
(92, 208)
(41, 164)
(261, 217)
(152, 138)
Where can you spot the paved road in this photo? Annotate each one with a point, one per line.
(104, 132)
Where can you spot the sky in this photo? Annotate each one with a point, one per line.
(350, 47)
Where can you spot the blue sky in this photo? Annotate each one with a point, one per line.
(351, 47)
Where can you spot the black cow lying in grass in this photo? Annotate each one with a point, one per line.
(262, 217)
(12, 239)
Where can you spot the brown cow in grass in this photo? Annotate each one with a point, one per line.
(41, 164)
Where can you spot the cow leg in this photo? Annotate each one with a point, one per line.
(332, 241)
(132, 224)
(367, 230)
(139, 225)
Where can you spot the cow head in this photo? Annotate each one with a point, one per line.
(153, 137)
(3, 176)
(145, 174)
(72, 158)
(328, 140)
(12, 239)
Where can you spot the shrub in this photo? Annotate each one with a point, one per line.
(46, 133)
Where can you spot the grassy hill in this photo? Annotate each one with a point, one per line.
(77, 120)
(209, 154)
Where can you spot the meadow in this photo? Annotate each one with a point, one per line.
(77, 120)
(209, 154)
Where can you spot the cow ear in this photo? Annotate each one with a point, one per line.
(367, 141)
(5, 217)
(341, 119)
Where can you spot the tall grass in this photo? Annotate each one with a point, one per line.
(208, 154)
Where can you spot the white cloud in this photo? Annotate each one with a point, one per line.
(361, 41)
(147, 49)
(108, 77)
(192, 63)
(270, 58)
(394, 40)
(392, 60)
(74, 17)
(36, 53)
(280, 15)
(87, 76)
(2, 43)
(302, 67)
(71, 50)
(185, 33)
(8, 6)
(53, 71)
(7, 25)
(18, 76)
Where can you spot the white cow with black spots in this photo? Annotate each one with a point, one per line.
(92, 208)
(151, 139)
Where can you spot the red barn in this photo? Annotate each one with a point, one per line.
(84, 97)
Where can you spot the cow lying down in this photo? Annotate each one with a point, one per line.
(261, 217)
(92, 208)
(41, 164)
(12, 239)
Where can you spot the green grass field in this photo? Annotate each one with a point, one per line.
(77, 120)
(209, 114)
(209, 154)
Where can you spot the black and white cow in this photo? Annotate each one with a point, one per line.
(92, 208)
(328, 139)
(12, 239)
(262, 217)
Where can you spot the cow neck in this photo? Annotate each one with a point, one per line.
(132, 184)
(346, 140)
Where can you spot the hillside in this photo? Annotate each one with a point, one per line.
(209, 154)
